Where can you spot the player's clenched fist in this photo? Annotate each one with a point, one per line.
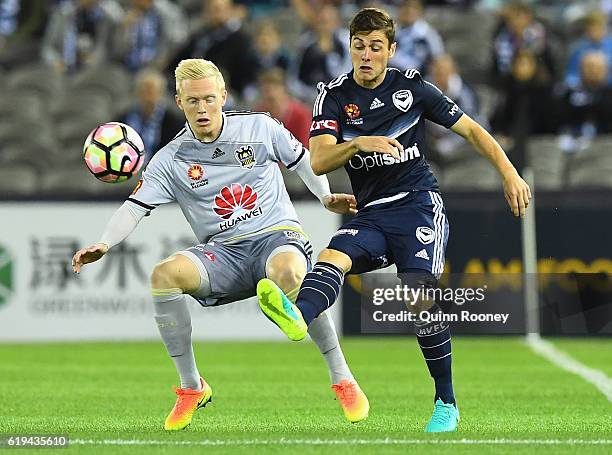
(87, 255)
(380, 144)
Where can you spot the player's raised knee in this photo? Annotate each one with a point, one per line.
(177, 271)
(287, 269)
(288, 279)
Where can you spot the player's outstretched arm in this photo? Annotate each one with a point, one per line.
(319, 186)
(327, 155)
(516, 190)
(121, 224)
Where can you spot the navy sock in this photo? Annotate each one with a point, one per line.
(319, 290)
(435, 341)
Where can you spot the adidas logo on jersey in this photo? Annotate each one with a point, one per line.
(217, 153)
(376, 104)
(422, 254)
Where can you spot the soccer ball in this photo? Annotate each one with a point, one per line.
(113, 152)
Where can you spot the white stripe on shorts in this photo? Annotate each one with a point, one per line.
(437, 266)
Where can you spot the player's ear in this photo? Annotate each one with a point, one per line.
(178, 102)
(392, 49)
(224, 98)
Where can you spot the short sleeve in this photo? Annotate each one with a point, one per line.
(287, 149)
(325, 114)
(439, 108)
(156, 185)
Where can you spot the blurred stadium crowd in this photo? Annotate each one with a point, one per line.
(536, 74)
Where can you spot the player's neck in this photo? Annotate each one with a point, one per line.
(210, 137)
(370, 84)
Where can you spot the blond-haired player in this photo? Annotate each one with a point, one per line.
(223, 171)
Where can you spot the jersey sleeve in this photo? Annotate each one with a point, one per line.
(439, 108)
(326, 114)
(286, 148)
(156, 185)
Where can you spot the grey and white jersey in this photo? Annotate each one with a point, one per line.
(228, 188)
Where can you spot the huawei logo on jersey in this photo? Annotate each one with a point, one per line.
(235, 204)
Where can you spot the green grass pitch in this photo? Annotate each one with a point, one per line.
(270, 396)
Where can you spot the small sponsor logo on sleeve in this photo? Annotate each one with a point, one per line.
(324, 125)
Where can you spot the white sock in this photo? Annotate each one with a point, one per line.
(323, 333)
(174, 325)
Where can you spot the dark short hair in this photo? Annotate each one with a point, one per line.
(369, 19)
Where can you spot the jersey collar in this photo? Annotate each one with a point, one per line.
(385, 82)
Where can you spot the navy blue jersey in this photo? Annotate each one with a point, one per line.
(397, 108)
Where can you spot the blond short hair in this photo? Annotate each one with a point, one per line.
(197, 68)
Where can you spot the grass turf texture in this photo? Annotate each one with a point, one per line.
(269, 391)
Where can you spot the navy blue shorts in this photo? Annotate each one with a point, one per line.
(410, 232)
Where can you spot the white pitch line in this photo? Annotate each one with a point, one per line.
(4, 259)
(598, 378)
(321, 442)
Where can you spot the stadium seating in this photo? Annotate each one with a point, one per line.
(35, 153)
(474, 173)
(39, 79)
(75, 117)
(593, 167)
(62, 109)
(285, 21)
(110, 79)
(74, 178)
(18, 180)
(487, 98)
(25, 106)
(463, 33)
(547, 161)
(93, 98)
